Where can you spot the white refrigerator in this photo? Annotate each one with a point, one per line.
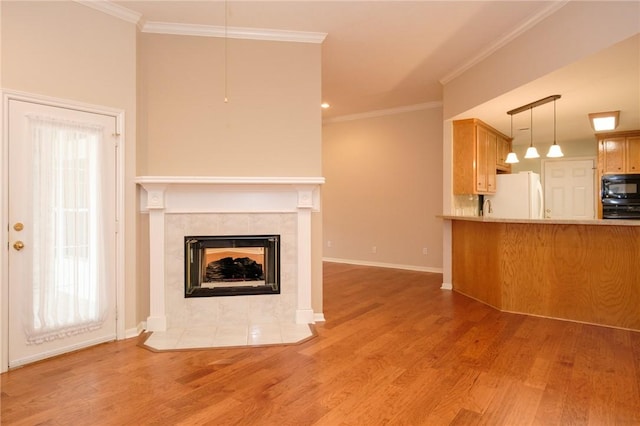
(518, 196)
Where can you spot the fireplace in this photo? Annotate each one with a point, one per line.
(231, 265)
(183, 206)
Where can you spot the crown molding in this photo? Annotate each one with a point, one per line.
(112, 9)
(553, 7)
(129, 15)
(383, 112)
(232, 32)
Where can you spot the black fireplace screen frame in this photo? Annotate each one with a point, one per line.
(195, 248)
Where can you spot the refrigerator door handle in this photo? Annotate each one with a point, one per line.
(540, 200)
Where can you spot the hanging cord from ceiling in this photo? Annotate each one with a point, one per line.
(226, 51)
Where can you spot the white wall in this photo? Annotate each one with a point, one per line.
(383, 188)
(270, 126)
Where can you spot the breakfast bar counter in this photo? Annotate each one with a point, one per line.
(579, 270)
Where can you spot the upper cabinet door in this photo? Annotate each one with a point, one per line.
(613, 153)
(481, 159)
(492, 140)
(503, 149)
(633, 154)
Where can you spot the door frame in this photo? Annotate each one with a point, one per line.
(594, 159)
(118, 114)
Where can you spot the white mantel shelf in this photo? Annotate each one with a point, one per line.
(164, 195)
(229, 193)
(229, 180)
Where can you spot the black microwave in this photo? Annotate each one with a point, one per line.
(621, 197)
(621, 189)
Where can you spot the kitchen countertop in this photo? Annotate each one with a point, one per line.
(597, 222)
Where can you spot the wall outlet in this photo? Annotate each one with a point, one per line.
(425, 251)
(329, 243)
(374, 249)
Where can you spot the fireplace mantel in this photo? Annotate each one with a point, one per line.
(213, 194)
(230, 180)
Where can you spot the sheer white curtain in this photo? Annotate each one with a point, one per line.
(68, 293)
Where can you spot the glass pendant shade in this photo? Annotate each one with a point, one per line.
(555, 151)
(511, 158)
(532, 152)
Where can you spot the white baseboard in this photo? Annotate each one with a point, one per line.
(384, 265)
(60, 351)
(446, 286)
(135, 332)
(318, 317)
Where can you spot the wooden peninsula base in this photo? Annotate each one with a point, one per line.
(587, 272)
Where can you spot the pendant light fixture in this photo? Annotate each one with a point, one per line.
(554, 150)
(511, 156)
(532, 152)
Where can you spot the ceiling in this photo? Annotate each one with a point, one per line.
(387, 54)
(606, 81)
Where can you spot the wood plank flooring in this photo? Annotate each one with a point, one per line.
(395, 349)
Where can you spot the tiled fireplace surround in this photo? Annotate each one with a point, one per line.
(180, 206)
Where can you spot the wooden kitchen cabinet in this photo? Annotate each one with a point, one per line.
(503, 149)
(611, 154)
(476, 149)
(633, 154)
(482, 156)
(619, 152)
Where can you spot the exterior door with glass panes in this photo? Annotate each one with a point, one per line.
(62, 230)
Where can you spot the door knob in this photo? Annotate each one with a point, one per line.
(18, 245)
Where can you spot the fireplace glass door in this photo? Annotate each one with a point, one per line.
(232, 265)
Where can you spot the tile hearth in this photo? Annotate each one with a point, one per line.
(221, 336)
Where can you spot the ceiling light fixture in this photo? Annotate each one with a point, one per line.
(511, 156)
(532, 152)
(603, 121)
(554, 150)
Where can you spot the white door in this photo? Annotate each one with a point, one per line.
(569, 189)
(62, 230)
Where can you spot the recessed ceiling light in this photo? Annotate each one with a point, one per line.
(604, 120)
(324, 105)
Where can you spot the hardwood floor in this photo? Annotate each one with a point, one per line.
(395, 349)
